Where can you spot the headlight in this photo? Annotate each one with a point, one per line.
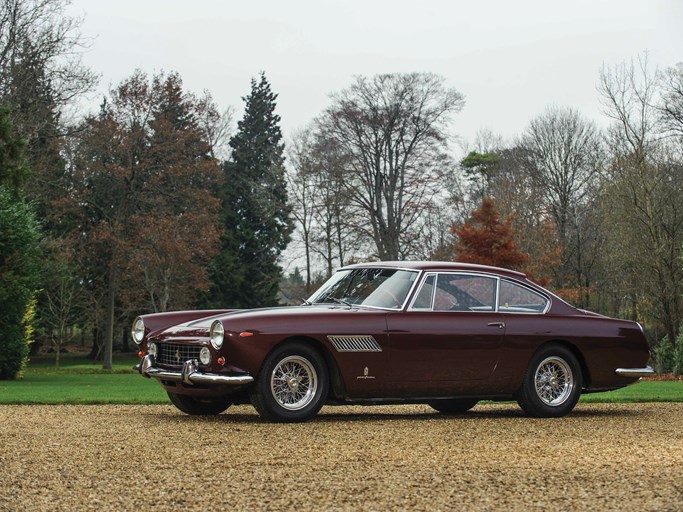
(205, 356)
(138, 330)
(152, 349)
(216, 334)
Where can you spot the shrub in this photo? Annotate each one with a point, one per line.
(668, 358)
(677, 366)
(19, 271)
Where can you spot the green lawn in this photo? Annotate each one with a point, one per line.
(82, 388)
(643, 391)
(80, 381)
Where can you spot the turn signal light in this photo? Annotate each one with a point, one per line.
(141, 354)
(246, 334)
(221, 360)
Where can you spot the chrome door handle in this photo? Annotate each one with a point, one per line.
(500, 325)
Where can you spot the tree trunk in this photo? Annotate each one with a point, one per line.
(109, 322)
(125, 347)
(96, 345)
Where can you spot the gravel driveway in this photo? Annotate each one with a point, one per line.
(601, 457)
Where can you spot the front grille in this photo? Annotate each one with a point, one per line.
(175, 354)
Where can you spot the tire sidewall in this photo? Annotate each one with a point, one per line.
(529, 400)
(262, 397)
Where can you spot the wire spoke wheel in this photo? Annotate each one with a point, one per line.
(552, 384)
(554, 381)
(294, 383)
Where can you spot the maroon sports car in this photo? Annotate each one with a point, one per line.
(444, 334)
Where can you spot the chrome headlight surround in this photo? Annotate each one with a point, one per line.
(138, 330)
(216, 334)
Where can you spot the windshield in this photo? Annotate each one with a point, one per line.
(376, 287)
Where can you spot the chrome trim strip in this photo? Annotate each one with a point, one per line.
(635, 372)
(354, 343)
(189, 375)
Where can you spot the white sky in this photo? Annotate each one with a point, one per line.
(510, 58)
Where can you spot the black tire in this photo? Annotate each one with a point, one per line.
(552, 383)
(292, 384)
(454, 405)
(196, 406)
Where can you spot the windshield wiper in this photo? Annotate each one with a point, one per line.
(306, 302)
(342, 301)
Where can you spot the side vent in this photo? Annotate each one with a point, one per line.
(355, 343)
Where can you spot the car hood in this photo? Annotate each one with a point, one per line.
(254, 318)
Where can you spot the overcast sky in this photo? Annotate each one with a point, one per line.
(510, 58)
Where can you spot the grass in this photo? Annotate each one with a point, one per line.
(643, 391)
(80, 381)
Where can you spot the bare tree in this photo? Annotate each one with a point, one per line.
(63, 295)
(38, 41)
(671, 106)
(216, 124)
(332, 235)
(41, 74)
(392, 129)
(564, 155)
(646, 186)
(301, 184)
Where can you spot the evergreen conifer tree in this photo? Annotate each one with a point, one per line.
(19, 254)
(256, 215)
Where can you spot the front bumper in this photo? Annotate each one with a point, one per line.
(189, 374)
(635, 372)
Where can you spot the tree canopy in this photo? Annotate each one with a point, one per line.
(19, 255)
(485, 240)
(255, 212)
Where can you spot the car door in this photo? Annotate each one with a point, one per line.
(451, 333)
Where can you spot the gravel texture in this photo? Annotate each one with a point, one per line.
(601, 457)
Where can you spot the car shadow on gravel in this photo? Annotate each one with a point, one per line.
(367, 414)
(474, 414)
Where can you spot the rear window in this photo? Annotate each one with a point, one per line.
(515, 298)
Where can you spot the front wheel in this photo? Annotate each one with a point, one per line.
(292, 384)
(552, 383)
(200, 406)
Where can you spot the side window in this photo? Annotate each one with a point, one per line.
(462, 292)
(518, 299)
(424, 297)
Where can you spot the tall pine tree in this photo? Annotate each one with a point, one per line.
(256, 215)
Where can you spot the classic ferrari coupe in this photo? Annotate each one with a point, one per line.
(443, 334)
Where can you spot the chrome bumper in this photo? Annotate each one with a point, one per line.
(635, 372)
(189, 375)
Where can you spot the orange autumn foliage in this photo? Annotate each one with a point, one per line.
(485, 240)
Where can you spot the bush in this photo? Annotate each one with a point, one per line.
(668, 358)
(677, 366)
(19, 271)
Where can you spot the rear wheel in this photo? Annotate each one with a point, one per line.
(196, 406)
(552, 383)
(454, 405)
(292, 384)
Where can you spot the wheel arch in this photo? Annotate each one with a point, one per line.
(337, 386)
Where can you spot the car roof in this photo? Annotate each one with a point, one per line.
(437, 266)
